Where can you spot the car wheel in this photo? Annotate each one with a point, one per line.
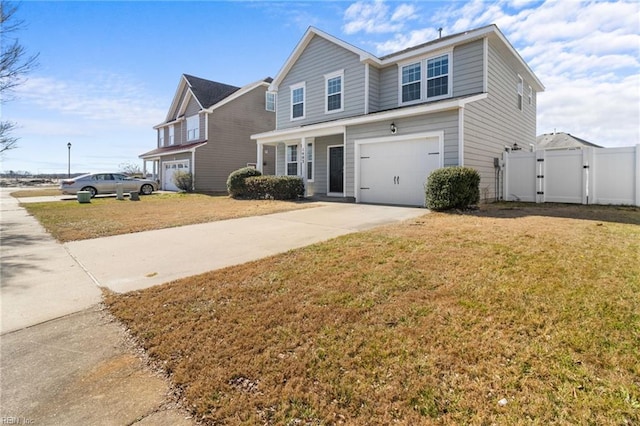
(146, 189)
(90, 189)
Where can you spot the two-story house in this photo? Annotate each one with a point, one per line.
(371, 128)
(207, 132)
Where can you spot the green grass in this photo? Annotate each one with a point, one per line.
(434, 321)
(71, 221)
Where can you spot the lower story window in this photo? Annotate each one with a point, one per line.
(309, 161)
(292, 160)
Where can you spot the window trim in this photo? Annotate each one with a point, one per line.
(196, 130)
(293, 88)
(424, 64)
(161, 137)
(309, 160)
(331, 76)
(448, 75)
(287, 161)
(267, 94)
(401, 85)
(172, 135)
(530, 95)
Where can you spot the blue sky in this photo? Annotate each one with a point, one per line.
(109, 70)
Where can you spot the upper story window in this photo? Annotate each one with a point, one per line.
(270, 101)
(411, 82)
(520, 92)
(161, 136)
(193, 128)
(435, 72)
(438, 77)
(292, 160)
(530, 95)
(172, 135)
(297, 101)
(334, 91)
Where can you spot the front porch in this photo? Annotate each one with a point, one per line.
(318, 158)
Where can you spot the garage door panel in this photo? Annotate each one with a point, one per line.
(395, 172)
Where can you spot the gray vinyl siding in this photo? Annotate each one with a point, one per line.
(192, 108)
(229, 146)
(496, 122)
(321, 57)
(374, 89)
(467, 69)
(281, 153)
(174, 112)
(388, 97)
(446, 121)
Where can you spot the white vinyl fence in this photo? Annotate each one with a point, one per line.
(583, 176)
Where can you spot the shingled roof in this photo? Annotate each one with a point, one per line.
(209, 92)
(561, 140)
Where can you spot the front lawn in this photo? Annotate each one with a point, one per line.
(510, 315)
(71, 221)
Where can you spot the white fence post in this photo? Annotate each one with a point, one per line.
(637, 175)
(540, 176)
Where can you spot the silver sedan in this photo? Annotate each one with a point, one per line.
(107, 183)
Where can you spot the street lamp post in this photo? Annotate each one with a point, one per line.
(69, 161)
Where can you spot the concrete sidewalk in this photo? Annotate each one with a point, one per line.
(64, 361)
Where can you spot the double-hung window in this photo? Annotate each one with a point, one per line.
(309, 156)
(530, 95)
(161, 136)
(438, 77)
(292, 160)
(270, 101)
(193, 128)
(334, 90)
(297, 101)
(411, 82)
(520, 92)
(172, 138)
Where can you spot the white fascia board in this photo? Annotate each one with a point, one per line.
(302, 45)
(333, 127)
(237, 94)
(168, 123)
(174, 102)
(178, 151)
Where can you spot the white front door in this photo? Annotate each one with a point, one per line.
(168, 169)
(395, 171)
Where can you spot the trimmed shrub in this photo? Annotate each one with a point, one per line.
(452, 188)
(183, 180)
(236, 181)
(275, 187)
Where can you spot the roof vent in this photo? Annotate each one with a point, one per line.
(440, 32)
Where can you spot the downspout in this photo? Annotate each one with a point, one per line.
(366, 88)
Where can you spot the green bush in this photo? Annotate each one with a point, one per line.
(183, 180)
(275, 187)
(452, 188)
(236, 181)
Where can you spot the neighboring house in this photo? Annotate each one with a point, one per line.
(207, 132)
(371, 128)
(560, 140)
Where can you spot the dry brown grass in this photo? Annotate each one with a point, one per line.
(36, 192)
(430, 322)
(71, 221)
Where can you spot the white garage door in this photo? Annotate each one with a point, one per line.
(169, 168)
(394, 172)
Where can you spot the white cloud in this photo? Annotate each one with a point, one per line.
(377, 17)
(103, 97)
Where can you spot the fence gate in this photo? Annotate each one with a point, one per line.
(582, 176)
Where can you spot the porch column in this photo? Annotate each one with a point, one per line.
(303, 163)
(260, 156)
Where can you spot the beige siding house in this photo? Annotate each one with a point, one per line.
(207, 132)
(371, 129)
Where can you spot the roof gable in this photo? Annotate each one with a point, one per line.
(561, 140)
(205, 92)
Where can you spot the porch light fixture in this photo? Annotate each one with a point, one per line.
(393, 128)
(515, 147)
